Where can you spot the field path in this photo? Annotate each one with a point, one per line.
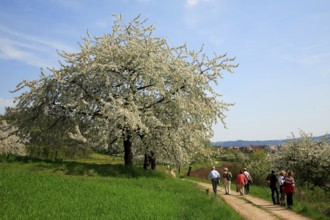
(254, 208)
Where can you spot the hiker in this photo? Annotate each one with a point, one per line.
(281, 182)
(289, 188)
(248, 181)
(240, 182)
(214, 176)
(227, 180)
(273, 184)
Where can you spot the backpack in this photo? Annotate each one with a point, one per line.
(228, 176)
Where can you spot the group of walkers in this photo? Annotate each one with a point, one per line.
(281, 185)
(242, 181)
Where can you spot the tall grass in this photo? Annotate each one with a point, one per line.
(40, 190)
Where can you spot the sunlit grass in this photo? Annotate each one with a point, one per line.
(41, 190)
(100, 159)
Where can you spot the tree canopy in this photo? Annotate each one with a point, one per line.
(128, 90)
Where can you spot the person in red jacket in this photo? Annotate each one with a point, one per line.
(240, 182)
(289, 188)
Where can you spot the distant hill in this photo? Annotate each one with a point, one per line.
(242, 143)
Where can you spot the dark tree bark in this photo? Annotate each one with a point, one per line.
(189, 170)
(146, 162)
(128, 151)
(149, 159)
(153, 160)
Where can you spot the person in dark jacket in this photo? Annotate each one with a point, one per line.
(274, 184)
(227, 180)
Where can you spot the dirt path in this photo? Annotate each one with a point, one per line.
(254, 208)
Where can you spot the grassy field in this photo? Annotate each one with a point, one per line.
(74, 190)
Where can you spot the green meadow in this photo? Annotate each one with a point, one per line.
(77, 190)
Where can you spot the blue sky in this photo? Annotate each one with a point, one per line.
(283, 48)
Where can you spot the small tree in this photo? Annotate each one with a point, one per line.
(132, 90)
(260, 165)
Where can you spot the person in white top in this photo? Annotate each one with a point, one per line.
(248, 179)
(282, 193)
(214, 176)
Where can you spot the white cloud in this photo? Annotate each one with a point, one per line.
(12, 51)
(191, 3)
(211, 36)
(104, 23)
(22, 37)
(308, 59)
(307, 55)
(200, 19)
(29, 49)
(206, 13)
(70, 4)
(144, 1)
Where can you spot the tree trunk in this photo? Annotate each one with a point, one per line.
(128, 151)
(152, 160)
(146, 162)
(189, 170)
(149, 160)
(153, 164)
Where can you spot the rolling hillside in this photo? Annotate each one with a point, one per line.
(242, 143)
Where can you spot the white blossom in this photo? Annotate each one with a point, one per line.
(130, 87)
